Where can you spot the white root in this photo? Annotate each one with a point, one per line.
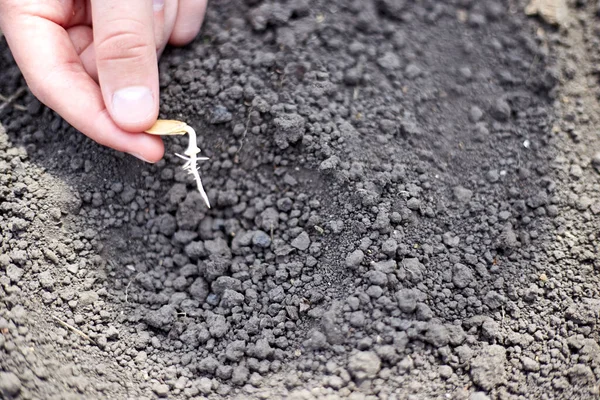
(173, 127)
(192, 158)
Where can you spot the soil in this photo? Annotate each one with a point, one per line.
(405, 204)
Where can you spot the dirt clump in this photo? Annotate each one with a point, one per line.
(404, 205)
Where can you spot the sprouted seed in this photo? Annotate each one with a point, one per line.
(172, 127)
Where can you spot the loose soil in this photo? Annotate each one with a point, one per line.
(405, 206)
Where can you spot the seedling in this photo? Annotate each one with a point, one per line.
(167, 127)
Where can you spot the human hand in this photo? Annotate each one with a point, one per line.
(95, 62)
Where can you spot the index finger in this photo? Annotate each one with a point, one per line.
(55, 75)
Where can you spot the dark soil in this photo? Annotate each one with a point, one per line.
(405, 206)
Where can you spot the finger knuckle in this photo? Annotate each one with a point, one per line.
(124, 44)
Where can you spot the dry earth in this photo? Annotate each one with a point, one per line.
(406, 199)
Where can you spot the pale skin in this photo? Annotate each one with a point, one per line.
(95, 62)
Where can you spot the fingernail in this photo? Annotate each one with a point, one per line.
(133, 104)
(139, 157)
(158, 4)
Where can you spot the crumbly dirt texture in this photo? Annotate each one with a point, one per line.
(405, 198)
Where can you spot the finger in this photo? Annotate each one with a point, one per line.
(127, 61)
(88, 59)
(158, 6)
(190, 15)
(83, 37)
(83, 41)
(170, 17)
(53, 71)
(79, 13)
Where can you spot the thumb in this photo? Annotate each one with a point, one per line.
(126, 59)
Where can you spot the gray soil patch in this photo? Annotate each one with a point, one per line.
(405, 206)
